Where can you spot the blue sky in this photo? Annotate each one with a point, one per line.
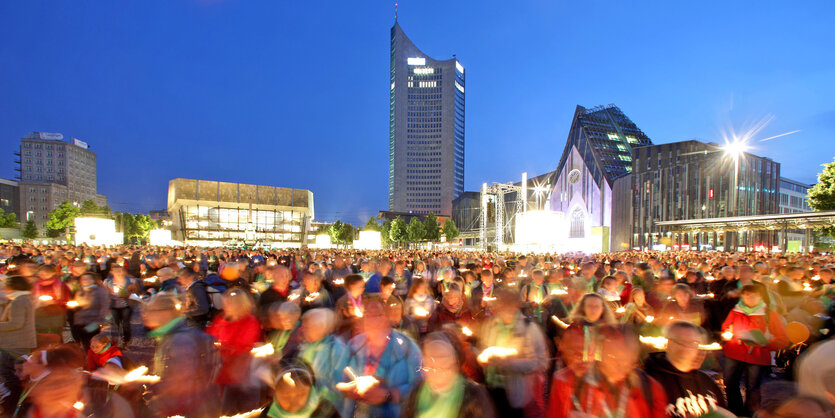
(295, 94)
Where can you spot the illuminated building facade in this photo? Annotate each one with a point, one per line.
(426, 129)
(53, 170)
(695, 180)
(217, 213)
(794, 199)
(593, 178)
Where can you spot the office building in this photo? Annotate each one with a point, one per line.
(695, 180)
(426, 129)
(53, 170)
(215, 213)
(593, 184)
(794, 199)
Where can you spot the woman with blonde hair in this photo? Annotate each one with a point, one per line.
(236, 331)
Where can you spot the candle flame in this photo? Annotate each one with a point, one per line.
(500, 352)
(289, 379)
(650, 318)
(558, 292)
(72, 304)
(620, 310)
(265, 350)
(78, 405)
(559, 322)
(139, 375)
(466, 331)
(45, 298)
(421, 312)
(311, 297)
(357, 312)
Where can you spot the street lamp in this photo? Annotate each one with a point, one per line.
(735, 150)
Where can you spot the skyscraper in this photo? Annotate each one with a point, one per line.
(426, 129)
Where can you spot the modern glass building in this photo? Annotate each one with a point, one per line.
(216, 213)
(426, 129)
(592, 186)
(694, 180)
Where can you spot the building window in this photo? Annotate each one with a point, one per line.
(578, 224)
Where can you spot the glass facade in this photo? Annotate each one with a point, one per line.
(680, 181)
(426, 129)
(219, 223)
(216, 213)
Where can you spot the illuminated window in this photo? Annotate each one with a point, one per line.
(578, 224)
(392, 85)
(459, 67)
(459, 87)
(613, 137)
(424, 70)
(631, 139)
(428, 84)
(622, 147)
(624, 158)
(416, 61)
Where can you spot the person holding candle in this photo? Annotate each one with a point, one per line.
(752, 332)
(392, 358)
(120, 288)
(93, 304)
(51, 296)
(420, 305)
(690, 392)
(186, 360)
(326, 353)
(296, 394)
(349, 307)
(516, 381)
(451, 310)
(445, 392)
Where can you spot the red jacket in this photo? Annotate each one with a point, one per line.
(442, 316)
(236, 339)
(591, 397)
(96, 360)
(738, 322)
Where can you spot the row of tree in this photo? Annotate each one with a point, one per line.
(136, 228)
(398, 232)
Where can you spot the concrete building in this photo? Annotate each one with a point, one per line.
(53, 170)
(215, 213)
(426, 129)
(593, 184)
(794, 199)
(695, 180)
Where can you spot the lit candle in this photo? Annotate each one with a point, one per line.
(500, 352)
(72, 304)
(466, 331)
(45, 298)
(311, 297)
(559, 322)
(265, 350)
(421, 312)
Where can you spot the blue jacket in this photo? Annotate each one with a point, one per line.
(399, 368)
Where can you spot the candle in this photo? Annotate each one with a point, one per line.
(311, 297)
(421, 312)
(265, 350)
(466, 331)
(500, 352)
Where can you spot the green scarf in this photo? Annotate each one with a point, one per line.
(440, 405)
(749, 310)
(503, 336)
(276, 411)
(279, 338)
(165, 329)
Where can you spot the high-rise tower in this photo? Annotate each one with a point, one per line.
(426, 129)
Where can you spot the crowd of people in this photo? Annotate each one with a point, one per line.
(413, 333)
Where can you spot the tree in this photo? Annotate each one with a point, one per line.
(397, 231)
(372, 224)
(433, 230)
(450, 231)
(415, 230)
(8, 220)
(385, 232)
(30, 230)
(346, 235)
(822, 194)
(61, 218)
(334, 230)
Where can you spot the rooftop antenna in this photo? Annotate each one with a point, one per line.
(395, 12)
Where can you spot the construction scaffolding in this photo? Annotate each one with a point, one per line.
(498, 212)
